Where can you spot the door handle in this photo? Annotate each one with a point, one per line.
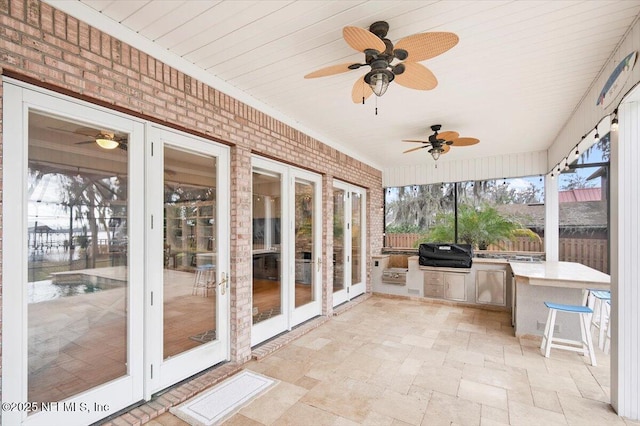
(319, 263)
(223, 282)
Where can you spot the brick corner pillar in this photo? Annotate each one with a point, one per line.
(240, 254)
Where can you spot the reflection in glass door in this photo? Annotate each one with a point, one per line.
(348, 242)
(267, 294)
(339, 255)
(307, 246)
(190, 256)
(77, 266)
(73, 326)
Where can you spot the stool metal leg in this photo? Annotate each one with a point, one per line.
(546, 332)
(551, 326)
(585, 328)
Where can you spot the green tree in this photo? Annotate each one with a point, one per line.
(480, 227)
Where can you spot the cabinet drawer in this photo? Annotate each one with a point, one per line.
(433, 290)
(433, 278)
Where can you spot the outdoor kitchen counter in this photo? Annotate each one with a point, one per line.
(486, 284)
(560, 282)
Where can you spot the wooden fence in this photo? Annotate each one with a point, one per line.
(590, 252)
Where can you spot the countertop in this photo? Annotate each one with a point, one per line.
(560, 274)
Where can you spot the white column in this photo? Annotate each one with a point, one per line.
(551, 218)
(625, 263)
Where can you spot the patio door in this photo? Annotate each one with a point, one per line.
(286, 228)
(72, 297)
(187, 256)
(349, 225)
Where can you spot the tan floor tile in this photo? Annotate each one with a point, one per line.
(420, 341)
(432, 357)
(507, 379)
(307, 382)
(446, 410)
(303, 414)
(240, 420)
(465, 357)
(483, 394)
(348, 398)
(546, 399)
(562, 385)
(528, 415)
(495, 415)
(270, 406)
(406, 408)
(581, 411)
(441, 379)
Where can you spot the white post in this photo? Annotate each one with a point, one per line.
(625, 264)
(551, 218)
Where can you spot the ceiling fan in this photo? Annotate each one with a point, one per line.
(107, 140)
(380, 54)
(440, 143)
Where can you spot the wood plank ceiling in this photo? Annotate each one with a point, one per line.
(513, 80)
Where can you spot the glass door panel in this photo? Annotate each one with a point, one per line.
(267, 292)
(305, 258)
(189, 251)
(339, 224)
(304, 243)
(358, 252)
(356, 238)
(77, 269)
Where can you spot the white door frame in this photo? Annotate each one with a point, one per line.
(291, 316)
(19, 98)
(161, 373)
(352, 289)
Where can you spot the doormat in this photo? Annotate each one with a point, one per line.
(265, 315)
(204, 337)
(224, 399)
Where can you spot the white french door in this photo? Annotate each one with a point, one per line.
(73, 235)
(187, 260)
(287, 230)
(119, 238)
(349, 242)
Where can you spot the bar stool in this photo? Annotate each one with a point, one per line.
(600, 319)
(585, 346)
(607, 339)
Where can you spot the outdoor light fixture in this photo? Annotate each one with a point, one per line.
(614, 121)
(379, 80)
(107, 143)
(435, 153)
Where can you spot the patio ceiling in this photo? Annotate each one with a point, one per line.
(516, 75)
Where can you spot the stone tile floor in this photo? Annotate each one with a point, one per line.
(391, 361)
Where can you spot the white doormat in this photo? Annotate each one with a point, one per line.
(224, 399)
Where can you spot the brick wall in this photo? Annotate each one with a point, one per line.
(42, 45)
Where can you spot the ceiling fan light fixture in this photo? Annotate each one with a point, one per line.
(379, 80)
(435, 153)
(107, 143)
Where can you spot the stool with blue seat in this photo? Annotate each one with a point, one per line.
(600, 319)
(585, 346)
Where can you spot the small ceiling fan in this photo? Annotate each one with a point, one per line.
(107, 140)
(441, 143)
(380, 54)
